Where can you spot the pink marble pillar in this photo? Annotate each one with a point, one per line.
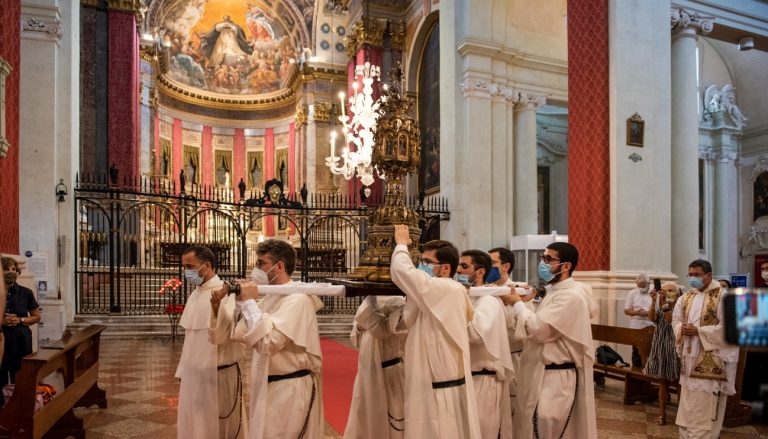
(238, 159)
(206, 161)
(178, 153)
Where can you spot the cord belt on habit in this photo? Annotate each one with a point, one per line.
(226, 366)
(446, 384)
(483, 372)
(560, 366)
(288, 376)
(391, 362)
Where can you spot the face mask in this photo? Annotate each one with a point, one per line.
(427, 268)
(193, 276)
(644, 289)
(260, 276)
(463, 279)
(545, 272)
(493, 275)
(696, 282)
(764, 275)
(10, 277)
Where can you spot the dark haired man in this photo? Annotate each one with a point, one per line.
(286, 398)
(555, 381)
(21, 313)
(708, 364)
(503, 262)
(210, 402)
(489, 355)
(439, 393)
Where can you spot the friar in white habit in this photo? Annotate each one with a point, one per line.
(708, 363)
(489, 353)
(210, 394)
(286, 393)
(555, 385)
(439, 393)
(378, 397)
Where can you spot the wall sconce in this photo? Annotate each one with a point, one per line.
(61, 190)
(746, 43)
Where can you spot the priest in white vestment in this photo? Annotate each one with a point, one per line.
(439, 393)
(286, 382)
(556, 388)
(489, 354)
(210, 394)
(378, 396)
(708, 363)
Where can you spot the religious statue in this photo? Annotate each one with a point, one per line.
(283, 173)
(255, 173)
(241, 188)
(222, 174)
(164, 163)
(226, 43)
(191, 170)
(719, 102)
(182, 182)
(113, 174)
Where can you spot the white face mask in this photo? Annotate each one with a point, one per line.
(260, 276)
(764, 274)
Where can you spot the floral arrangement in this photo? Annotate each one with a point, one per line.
(172, 288)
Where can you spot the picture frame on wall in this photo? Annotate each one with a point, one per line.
(635, 130)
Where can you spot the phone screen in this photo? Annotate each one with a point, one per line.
(657, 284)
(746, 317)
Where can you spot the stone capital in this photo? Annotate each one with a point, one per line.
(41, 23)
(707, 154)
(726, 156)
(528, 101)
(688, 23)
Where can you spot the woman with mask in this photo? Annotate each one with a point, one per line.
(21, 311)
(663, 362)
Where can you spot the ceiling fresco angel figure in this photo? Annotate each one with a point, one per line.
(259, 25)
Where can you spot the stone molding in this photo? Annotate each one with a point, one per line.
(481, 88)
(706, 154)
(511, 56)
(41, 23)
(681, 20)
(549, 152)
(726, 156)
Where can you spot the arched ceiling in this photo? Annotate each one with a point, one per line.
(230, 52)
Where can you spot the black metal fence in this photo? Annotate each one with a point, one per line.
(130, 238)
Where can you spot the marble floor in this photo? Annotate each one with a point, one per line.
(143, 395)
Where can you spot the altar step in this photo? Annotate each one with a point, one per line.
(335, 326)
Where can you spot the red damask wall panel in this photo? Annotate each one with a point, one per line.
(10, 28)
(123, 93)
(588, 124)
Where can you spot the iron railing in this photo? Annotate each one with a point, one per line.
(130, 237)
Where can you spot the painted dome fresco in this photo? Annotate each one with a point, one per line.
(231, 50)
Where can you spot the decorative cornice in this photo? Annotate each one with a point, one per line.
(482, 88)
(527, 101)
(301, 114)
(41, 28)
(322, 112)
(726, 156)
(682, 20)
(511, 56)
(368, 31)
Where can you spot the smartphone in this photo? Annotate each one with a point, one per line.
(657, 284)
(746, 317)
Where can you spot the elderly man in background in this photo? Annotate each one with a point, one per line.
(636, 306)
(708, 363)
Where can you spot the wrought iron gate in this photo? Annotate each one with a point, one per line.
(130, 238)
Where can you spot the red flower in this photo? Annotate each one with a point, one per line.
(174, 308)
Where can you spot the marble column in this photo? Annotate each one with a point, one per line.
(525, 175)
(686, 27)
(726, 186)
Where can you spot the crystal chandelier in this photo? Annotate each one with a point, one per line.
(358, 129)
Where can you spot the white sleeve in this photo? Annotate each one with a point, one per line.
(251, 313)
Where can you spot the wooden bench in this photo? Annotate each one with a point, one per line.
(637, 385)
(77, 358)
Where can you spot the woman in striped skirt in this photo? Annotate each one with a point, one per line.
(663, 362)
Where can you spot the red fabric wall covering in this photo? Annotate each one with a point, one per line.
(123, 93)
(588, 125)
(238, 160)
(10, 38)
(207, 156)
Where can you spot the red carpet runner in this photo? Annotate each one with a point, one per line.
(339, 371)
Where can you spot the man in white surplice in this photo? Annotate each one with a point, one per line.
(556, 394)
(488, 349)
(439, 393)
(286, 393)
(210, 399)
(378, 399)
(708, 364)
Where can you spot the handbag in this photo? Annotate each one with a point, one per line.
(605, 354)
(44, 394)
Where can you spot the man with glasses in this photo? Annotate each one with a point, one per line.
(708, 364)
(556, 394)
(488, 349)
(210, 400)
(439, 393)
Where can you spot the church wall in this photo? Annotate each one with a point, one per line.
(9, 165)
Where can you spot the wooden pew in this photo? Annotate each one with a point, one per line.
(637, 385)
(78, 361)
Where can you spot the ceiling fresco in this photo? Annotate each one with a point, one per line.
(231, 49)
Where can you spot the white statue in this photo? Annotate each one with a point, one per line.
(722, 100)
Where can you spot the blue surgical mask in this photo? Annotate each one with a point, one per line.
(463, 279)
(493, 275)
(545, 272)
(193, 276)
(696, 282)
(427, 268)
